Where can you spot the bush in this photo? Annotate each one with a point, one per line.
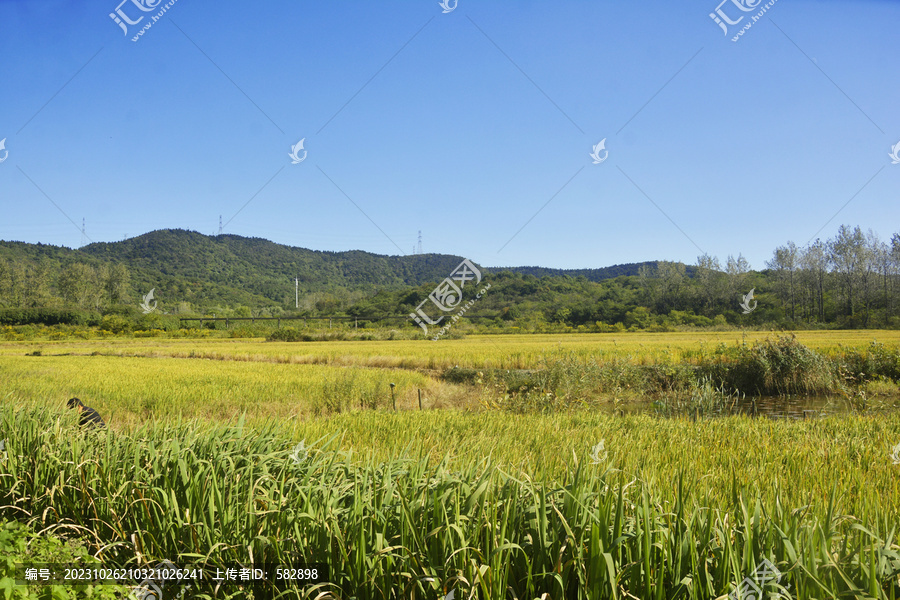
(774, 367)
(116, 324)
(19, 544)
(875, 362)
(47, 316)
(288, 334)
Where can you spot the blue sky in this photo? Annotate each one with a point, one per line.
(466, 125)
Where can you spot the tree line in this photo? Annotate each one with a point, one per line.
(850, 280)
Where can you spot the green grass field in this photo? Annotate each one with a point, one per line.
(490, 503)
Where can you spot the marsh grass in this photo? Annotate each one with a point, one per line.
(772, 367)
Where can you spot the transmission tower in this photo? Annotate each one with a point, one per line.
(83, 233)
(220, 224)
(420, 243)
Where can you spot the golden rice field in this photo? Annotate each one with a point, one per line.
(414, 504)
(476, 351)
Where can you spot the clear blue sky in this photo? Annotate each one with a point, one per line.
(462, 125)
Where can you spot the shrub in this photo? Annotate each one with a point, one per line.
(47, 316)
(116, 324)
(772, 367)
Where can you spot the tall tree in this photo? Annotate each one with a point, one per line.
(848, 254)
(736, 270)
(78, 285)
(814, 262)
(784, 263)
(708, 270)
(672, 278)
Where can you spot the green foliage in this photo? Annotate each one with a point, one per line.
(771, 367)
(116, 324)
(236, 276)
(876, 362)
(778, 367)
(48, 316)
(20, 545)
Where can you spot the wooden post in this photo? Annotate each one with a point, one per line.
(420, 399)
(393, 400)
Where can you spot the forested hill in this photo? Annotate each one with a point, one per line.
(229, 270)
(589, 274)
(225, 269)
(261, 266)
(850, 280)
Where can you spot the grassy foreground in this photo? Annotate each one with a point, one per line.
(666, 509)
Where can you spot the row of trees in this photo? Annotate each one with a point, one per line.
(851, 279)
(77, 285)
(860, 273)
(706, 289)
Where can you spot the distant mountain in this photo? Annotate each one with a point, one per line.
(589, 274)
(229, 270)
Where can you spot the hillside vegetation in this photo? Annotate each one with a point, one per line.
(850, 281)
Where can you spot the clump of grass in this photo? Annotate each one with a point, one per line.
(778, 367)
(877, 362)
(704, 399)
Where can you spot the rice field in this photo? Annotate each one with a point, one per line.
(201, 460)
(476, 351)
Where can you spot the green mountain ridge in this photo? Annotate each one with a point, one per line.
(232, 270)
